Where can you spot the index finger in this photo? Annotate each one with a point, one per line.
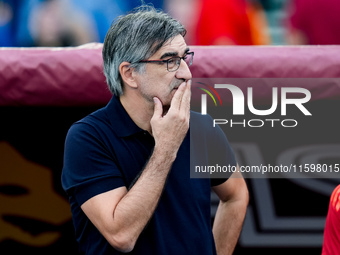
(177, 98)
(185, 104)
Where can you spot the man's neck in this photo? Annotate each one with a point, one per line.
(139, 111)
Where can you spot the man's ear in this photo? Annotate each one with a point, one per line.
(127, 74)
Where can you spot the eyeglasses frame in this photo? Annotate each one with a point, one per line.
(167, 60)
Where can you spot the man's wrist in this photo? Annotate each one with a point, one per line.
(165, 155)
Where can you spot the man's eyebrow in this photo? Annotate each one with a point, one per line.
(169, 54)
(173, 53)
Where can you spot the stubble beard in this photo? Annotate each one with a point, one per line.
(173, 85)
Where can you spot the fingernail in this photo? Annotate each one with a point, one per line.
(155, 100)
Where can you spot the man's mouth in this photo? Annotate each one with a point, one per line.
(177, 84)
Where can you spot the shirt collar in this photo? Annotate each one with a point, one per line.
(120, 120)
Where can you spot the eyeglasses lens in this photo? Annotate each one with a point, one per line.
(174, 63)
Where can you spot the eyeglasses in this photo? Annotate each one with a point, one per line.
(172, 64)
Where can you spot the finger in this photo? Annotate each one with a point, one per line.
(177, 98)
(185, 104)
(158, 109)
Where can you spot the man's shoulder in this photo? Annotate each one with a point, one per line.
(203, 126)
(93, 119)
(199, 119)
(92, 123)
(201, 129)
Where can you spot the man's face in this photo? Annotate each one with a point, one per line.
(157, 81)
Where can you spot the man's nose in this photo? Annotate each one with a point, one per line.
(183, 71)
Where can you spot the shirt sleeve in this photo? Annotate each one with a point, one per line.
(89, 167)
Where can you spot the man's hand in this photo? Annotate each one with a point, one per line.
(169, 130)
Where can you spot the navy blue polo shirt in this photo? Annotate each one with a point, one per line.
(107, 150)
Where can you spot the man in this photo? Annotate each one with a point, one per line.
(126, 166)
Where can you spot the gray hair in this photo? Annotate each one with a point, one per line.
(134, 37)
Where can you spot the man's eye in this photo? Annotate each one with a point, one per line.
(171, 61)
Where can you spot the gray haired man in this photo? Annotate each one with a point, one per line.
(126, 166)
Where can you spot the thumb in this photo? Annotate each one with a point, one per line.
(158, 110)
